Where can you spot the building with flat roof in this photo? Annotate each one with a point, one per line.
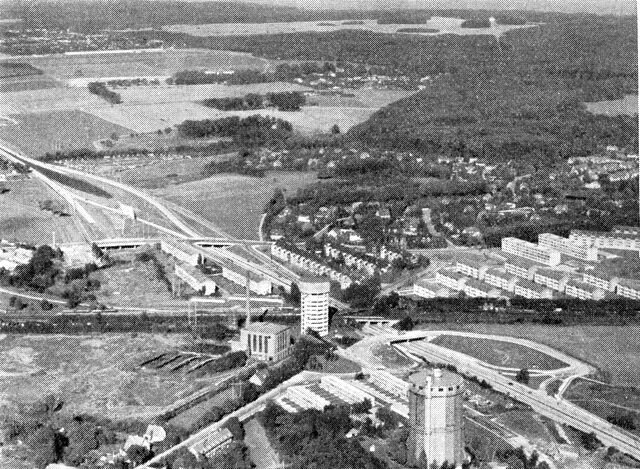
(531, 290)
(436, 422)
(621, 240)
(531, 251)
(568, 247)
(213, 443)
(238, 275)
(195, 278)
(425, 289)
(500, 278)
(451, 279)
(628, 288)
(266, 341)
(584, 291)
(314, 304)
(181, 250)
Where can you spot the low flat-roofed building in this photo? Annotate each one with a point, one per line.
(568, 247)
(531, 290)
(238, 275)
(266, 341)
(213, 443)
(554, 279)
(451, 279)
(425, 289)
(500, 278)
(521, 267)
(195, 278)
(629, 288)
(584, 291)
(601, 279)
(472, 267)
(531, 251)
(181, 250)
(478, 289)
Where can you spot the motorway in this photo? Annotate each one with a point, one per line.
(414, 345)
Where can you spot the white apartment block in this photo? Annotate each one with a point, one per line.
(478, 289)
(601, 279)
(425, 289)
(472, 268)
(568, 247)
(528, 289)
(195, 279)
(451, 279)
(606, 240)
(584, 291)
(500, 278)
(180, 250)
(350, 260)
(521, 267)
(314, 305)
(531, 251)
(311, 265)
(629, 289)
(238, 275)
(554, 279)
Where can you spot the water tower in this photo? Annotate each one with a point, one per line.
(435, 418)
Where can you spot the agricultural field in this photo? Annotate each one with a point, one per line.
(614, 350)
(625, 106)
(233, 202)
(92, 374)
(498, 353)
(21, 219)
(41, 132)
(147, 63)
(362, 98)
(441, 24)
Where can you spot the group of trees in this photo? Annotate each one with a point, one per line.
(241, 163)
(518, 459)
(39, 273)
(283, 101)
(100, 89)
(249, 130)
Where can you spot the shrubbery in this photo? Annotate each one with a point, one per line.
(101, 90)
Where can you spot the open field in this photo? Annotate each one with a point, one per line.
(614, 350)
(38, 133)
(21, 219)
(363, 97)
(624, 106)
(604, 400)
(499, 353)
(233, 202)
(526, 423)
(442, 25)
(97, 375)
(142, 63)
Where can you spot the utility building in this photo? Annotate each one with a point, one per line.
(314, 301)
(435, 418)
(266, 341)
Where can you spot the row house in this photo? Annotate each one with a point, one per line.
(238, 275)
(477, 289)
(629, 289)
(308, 262)
(521, 267)
(568, 247)
(607, 240)
(350, 259)
(531, 251)
(425, 289)
(531, 290)
(195, 278)
(500, 278)
(584, 291)
(451, 279)
(554, 279)
(601, 279)
(472, 268)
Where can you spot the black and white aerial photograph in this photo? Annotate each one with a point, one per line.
(319, 234)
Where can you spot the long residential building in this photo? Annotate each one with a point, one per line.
(195, 278)
(472, 267)
(451, 279)
(601, 279)
(238, 275)
(620, 240)
(554, 279)
(309, 262)
(425, 289)
(354, 260)
(478, 289)
(531, 251)
(584, 291)
(498, 277)
(521, 267)
(568, 247)
(629, 289)
(181, 250)
(528, 289)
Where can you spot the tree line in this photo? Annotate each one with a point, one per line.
(283, 101)
(100, 89)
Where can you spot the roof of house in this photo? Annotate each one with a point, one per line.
(528, 284)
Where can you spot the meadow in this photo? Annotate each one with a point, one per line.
(614, 350)
(440, 24)
(234, 203)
